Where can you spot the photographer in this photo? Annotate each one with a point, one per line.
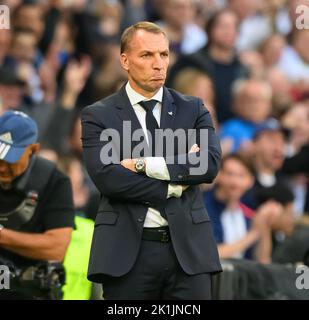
(36, 213)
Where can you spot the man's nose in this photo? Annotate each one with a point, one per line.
(158, 63)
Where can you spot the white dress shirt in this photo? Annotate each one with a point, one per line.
(234, 227)
(155, 166)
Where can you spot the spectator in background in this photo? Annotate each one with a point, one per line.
(271, 49)
(75, 77)
(281, 89)
(270, 184)
(269, 147)
(109, 14)
(24, 58)
(29, 16)
(236, 228)
(85, 202)
(252, 20)
(108, 63)
(298, 165)
(252, 105)
(23, 47)
(11, 90)
(295, 58)
(296, 119)
(178, 21)
(62, 43)
(48, 116)
(218, 60)
(192, 82)
(12, 93)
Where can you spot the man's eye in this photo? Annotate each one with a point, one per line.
(146, 55)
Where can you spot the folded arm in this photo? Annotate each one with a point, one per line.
(114, 180)
(185, 169)
(200, 165)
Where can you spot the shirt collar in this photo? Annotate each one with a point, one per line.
(136, 97)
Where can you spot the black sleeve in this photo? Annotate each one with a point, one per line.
(298, 163)
(58, 209)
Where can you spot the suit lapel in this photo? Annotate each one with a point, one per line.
(127, 113)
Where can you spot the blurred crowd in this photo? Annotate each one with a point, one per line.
(244, 58)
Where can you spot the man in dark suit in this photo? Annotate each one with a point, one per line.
(152, 237)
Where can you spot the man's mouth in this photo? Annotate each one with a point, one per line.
(158, 77)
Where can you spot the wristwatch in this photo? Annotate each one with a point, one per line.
(140, 165)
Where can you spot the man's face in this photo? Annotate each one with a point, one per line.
(269, 149)
(178, 13)
(11, 96)
(10, 171)
(225, 31)
(30, 17)
(146, 61)
(23, 47)
(253, 104)
(234, 179)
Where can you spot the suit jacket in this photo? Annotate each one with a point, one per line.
(126, 195)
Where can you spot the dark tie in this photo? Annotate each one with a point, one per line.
(152, 125)
(151, 122)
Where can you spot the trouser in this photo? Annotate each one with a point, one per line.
(157, 275)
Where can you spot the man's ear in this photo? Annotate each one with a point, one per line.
(124, 61)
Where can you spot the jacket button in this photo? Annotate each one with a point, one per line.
(140, 219)
(147, 203)
(179, 176)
